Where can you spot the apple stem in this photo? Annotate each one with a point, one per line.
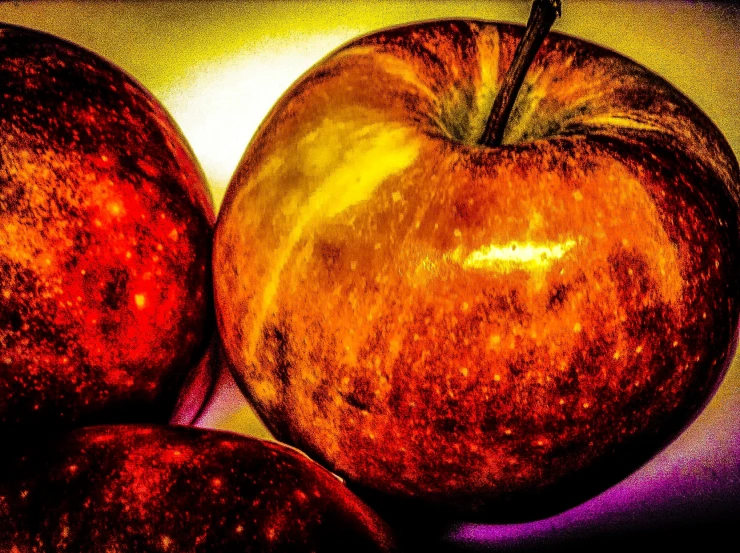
(543, 15)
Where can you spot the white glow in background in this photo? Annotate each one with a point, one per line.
(220, 104)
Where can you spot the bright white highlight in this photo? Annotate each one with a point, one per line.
(514, 253)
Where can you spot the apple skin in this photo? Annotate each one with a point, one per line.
(498, 333)
(105, 243)
(158, 488)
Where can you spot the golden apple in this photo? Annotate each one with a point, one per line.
(493, 328)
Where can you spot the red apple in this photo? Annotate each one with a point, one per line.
(149, 488)
(493, 328)
(105, 241)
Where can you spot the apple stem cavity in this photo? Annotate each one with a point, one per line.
(543, 15)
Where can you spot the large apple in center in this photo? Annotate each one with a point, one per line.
(493, 329)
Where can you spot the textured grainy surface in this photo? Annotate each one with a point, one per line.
(480, 328)
(105, 230)
(129, 488)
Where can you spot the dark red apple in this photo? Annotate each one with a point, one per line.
(177, 489)
(105, 241)
(499, 323)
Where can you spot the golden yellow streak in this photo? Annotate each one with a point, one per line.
(624, 121)
(488, 56)
(348, 165)
(393, 66)
(537, 92)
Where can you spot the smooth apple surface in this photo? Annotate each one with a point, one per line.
(105, 243)
(177, 489)
(503, 331)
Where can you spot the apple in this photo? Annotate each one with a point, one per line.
(171, 489)
(105, 243)
(488, 302)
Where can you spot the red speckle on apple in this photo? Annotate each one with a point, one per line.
(105, 240)
(176, 489)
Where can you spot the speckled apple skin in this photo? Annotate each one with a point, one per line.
(491, 331)
(105, 243)
(154, 488)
